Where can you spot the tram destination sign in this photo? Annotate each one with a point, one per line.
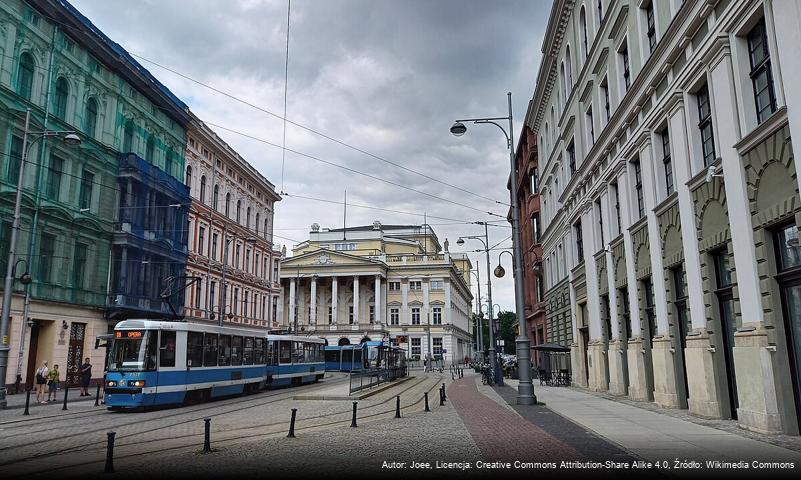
(128, 334)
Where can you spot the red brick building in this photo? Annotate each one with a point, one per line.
(529, 201)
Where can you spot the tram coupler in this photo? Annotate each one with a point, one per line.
(292, 424)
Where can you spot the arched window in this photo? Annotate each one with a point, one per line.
(60, 98)
(266, 227)
(188, 178)
(343, 341)
(569, 69)
(203, 189)
(546, 138)
(583, 28)
(216, 197)
(247, 218)
(150, 149)
(169, 157)
(127, 137)
(25, 77)
(257, 224)
(555, 128)
(228, 205)
(565, 93)
(90, 119)
(238, 211)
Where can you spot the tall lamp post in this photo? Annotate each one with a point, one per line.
(485, 241)
(70, 138)
(479, 329)
(525, 389)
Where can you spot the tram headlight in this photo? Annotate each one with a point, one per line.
(111, 383)
(136, 383)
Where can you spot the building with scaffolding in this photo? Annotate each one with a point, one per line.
(71, 76)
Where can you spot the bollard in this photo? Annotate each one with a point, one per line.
(397, 407)
(441, 397)
(292, 424)
(97, 396)
(443, 391)
(110, 453)
(425, 394)
(207, 435)
(27, 403)
(353, 422)
(66, 391)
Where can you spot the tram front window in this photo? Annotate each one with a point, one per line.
(133, 350)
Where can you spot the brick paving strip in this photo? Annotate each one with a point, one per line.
(502, 434)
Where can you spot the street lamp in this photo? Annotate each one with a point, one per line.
(70, 138)
(479, 329)
(525, 389)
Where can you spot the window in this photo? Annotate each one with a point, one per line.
(600, 213)
(534, 179)
(649, 18)
(247, 351)
(416, 347)
(600, 12)
(624, 57)
(79, 264)
(436, 342)
(247, 260)
(238, 211)
(761, 74)
(90, 119)
(275, 271)
(284, 352)
(638, 188)
(344, 246)
(350, 314)
(257, 223)
(258, 348)
(705, 126)
(617, 207)
(53, 187)
(5, 243)
(330, 315)
(415, 286)
(194, 349)
(188, 179)
(436, 316)
(25, 76)
(14, 160)
(236, 351)
(372, 314)
(436, 285)
(247, 218)
(210, 350)
(605, 92)
(569, 68)
(394, 286)
(787, 248)
(238, 250)
(667, 162)
(579, 242)
(591, 125)
(236, 301)
(275, 308)
(201, 240)
(256, 264)
(416, 316)
(228, 205)
(87, 184)
(215, 197)
(535, 226)
(650, 331)
(624, 308)
(394, 316)
(212, 287)
(198, 288)
(571, 156)
(245, 298)
(680, 302)
(166, 349)
(128, 137)
(583, 25)
(150, 149)
(203, 189)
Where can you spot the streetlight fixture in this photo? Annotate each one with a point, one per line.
(525, 389)
(71, 138)
(479, 329)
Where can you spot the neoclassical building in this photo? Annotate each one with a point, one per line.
(233, 264)
(380, 282)
(670, 201)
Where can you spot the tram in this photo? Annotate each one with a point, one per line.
(153, 362)
(366, 355)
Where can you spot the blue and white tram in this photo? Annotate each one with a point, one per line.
(155, 362)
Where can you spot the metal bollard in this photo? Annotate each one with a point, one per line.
(397, 407)
(292, 424)
(425, 394)
(97, 396)
(353, 422)
(443, 391)
(66, 392)
(441, 397)
(27, 403)
(110, 452)
(207, 435)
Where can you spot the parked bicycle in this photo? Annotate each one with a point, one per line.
(487, 375)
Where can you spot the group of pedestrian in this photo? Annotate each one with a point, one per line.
(47, 380)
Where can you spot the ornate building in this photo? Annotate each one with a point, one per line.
(231, 253)
(670, 201)
(380, 282)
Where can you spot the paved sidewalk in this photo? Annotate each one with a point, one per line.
(656, 436)
(17, 401)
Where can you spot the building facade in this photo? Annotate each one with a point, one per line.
(54, 62)
(670, 201)
(380, 282)
(530, 232)
(232, 259)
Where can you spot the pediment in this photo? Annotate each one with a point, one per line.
(326, 258)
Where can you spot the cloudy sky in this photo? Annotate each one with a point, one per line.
(385, 76)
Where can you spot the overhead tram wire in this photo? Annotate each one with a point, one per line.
(352, 170)
(286, 86)
(317, 132)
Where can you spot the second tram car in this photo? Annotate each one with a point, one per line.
(154, 362)
(366, 355)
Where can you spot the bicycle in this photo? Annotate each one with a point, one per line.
(487, 376)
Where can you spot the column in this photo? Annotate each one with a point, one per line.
(615, 351)
(334, 300)
(313, 302)
(291, 302)
(377, 297)
(405, 301)
(355, 299)
(595, 351)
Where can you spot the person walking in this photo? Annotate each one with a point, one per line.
(41, 382)
(53, 378)
(86, 377)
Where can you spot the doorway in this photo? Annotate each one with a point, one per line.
(30, 370)
(585, 342)
(788, 259)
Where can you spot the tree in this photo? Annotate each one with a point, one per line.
(507, 331)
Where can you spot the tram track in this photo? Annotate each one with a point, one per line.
(281, 429)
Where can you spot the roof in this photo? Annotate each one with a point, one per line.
(113, 55)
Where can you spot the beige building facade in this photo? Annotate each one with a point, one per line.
(380, 282)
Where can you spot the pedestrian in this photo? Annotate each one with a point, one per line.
(41, 382)
(53, 378)
(86, 377)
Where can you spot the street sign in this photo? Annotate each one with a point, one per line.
(500, 342)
